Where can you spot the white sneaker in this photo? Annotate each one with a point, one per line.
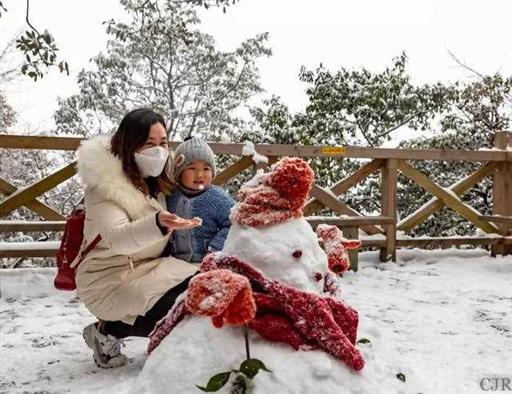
(106, 348)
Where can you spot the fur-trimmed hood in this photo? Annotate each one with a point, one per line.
(102, 172)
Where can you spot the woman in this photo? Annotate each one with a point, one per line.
(123, 281)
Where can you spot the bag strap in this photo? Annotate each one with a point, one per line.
(89, 247)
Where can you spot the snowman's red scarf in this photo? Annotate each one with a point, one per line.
(284, 314)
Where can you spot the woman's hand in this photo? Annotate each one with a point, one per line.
(174, 222)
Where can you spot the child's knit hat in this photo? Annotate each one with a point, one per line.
(191, 150)
(276, 196)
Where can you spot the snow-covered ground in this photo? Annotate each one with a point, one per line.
(441, 318)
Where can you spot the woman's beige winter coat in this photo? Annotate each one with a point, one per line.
(123, 276)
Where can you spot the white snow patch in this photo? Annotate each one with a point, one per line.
(442, 318)
(249, 150)
(42, 245)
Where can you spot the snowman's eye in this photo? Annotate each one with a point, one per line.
(297, 254)
(318, 276)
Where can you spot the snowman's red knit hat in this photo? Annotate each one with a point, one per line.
(276, 196)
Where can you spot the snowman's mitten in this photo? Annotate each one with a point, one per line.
(241, 310)
(223, 295)
(336, 247)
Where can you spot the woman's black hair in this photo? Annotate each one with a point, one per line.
(131, 135)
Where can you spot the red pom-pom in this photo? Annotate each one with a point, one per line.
(293, 178)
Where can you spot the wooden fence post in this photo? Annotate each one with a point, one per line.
(352, 232)
(502, 191)
(389, 174)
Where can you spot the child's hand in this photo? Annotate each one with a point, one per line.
(174, 222)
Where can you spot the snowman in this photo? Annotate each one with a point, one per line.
(271, 287)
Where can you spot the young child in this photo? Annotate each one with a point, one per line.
(194, 195)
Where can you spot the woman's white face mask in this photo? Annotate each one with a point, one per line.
(151, 161)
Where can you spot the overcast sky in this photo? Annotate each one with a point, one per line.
(349, 33)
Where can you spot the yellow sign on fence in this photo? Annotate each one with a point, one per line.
(333, 150)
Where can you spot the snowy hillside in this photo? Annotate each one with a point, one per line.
(440, 318)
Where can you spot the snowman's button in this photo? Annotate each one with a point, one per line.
(297, 254)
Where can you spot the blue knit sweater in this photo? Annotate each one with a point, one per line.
(213, 207)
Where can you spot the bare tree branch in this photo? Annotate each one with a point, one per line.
(27, 19)
(403, 123)
(363, 131)
(464, 65)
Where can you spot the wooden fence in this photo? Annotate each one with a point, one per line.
(377, 231)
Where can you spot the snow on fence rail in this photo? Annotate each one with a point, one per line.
(382, 231)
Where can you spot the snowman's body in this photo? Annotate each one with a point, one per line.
(196, 350)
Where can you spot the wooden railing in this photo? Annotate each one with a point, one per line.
(380, 231)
